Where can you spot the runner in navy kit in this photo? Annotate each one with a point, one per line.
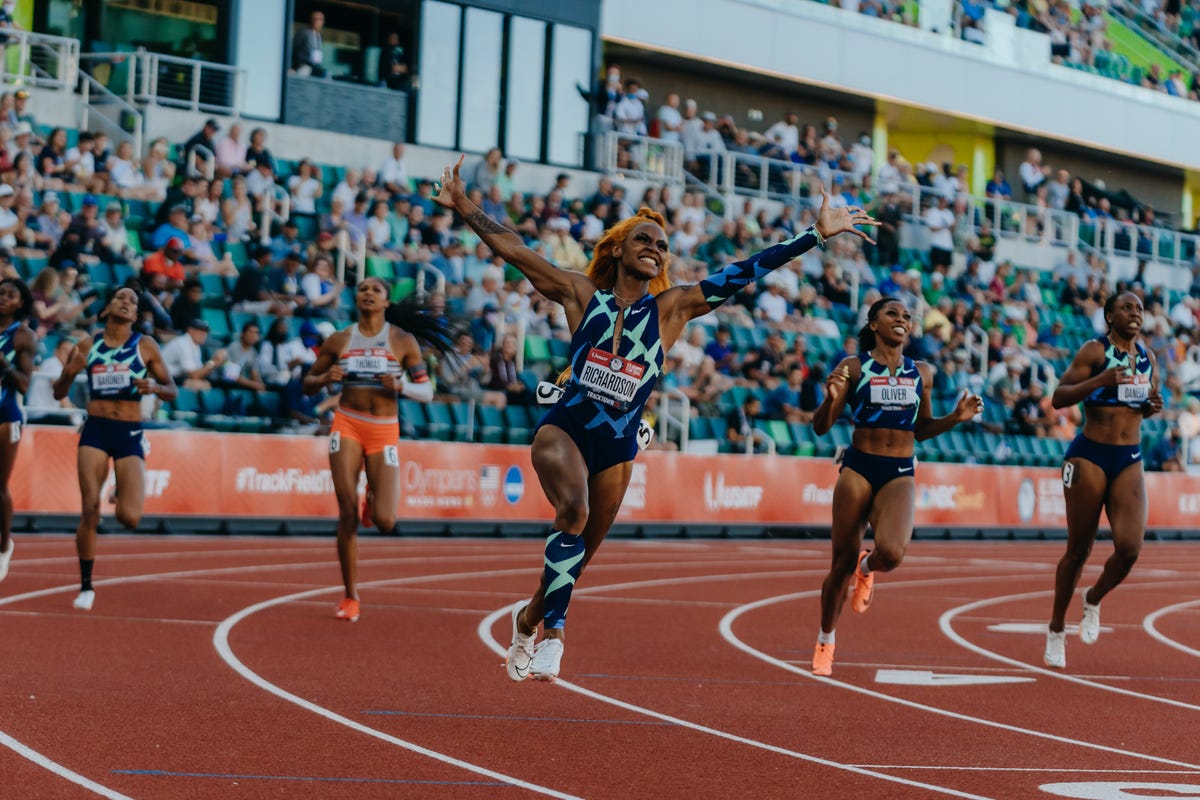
(888, 394)
(1115, 378)
(122, 367)
(624, 316)
(17, 343)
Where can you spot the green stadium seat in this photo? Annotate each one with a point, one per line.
(537, 349)
(519, 425)
(218, 321)
(402, 288)
(490, 426)
(380, 267)
(413, 421)
(441, 424)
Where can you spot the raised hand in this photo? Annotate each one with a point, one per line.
(450, 189)
(832, 221)
(835, 387)
(968, 406)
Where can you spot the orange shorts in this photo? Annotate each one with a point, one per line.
(375, 434)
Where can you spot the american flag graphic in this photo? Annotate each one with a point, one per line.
(489, 478)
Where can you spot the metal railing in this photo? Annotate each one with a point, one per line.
(681, 421)
(730, 173)
(276, 197)
(98, 109)
(44, 61)
(642, 157)
(156, 79)
(1146, 25)
(439, 281)
(210, 162)
(1113, 237)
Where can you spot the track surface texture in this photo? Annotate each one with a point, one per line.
(214, 668)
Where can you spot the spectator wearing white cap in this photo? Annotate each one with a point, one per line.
(562, 249)
(52, 222)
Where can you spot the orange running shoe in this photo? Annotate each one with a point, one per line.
(368, 518)
(348, 609)
(823, 659)
(864, 587)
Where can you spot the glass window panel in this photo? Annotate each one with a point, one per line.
(436, 112)
(570, 65)
(479, 126)
(526, 73)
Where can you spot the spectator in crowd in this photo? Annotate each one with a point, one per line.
(240, 369)
(305, 188)
(202, 145)
(940, 221)
(393, 66)
(669, 119)
(184, 358)
(740, 431)
(393, 174)
(231, 153)
(1033, 173)
(307, 55)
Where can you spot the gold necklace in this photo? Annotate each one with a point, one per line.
(624, 300)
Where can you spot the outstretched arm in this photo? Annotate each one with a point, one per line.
(698, 299)
(571, 289)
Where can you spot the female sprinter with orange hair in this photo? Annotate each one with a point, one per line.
(624, 315)
(369, 359)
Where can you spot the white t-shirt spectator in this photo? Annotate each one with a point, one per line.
(669, 121)
(710, 142)
(124, 174)
(773, 306)
(941, 225)
(785, 135)
(7, 220)
(85, 163)
(258, 182)
(379, 232)
(393, 171)
(593, 228)
(182, 355)
(304, 194)
(630, 115)
(41, 385)
(346, 193)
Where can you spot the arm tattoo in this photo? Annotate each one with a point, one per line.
(483, 224)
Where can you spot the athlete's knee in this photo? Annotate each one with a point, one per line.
(1078, 552)
(347, 517)
(130, 518)
(571, 514)
(384, 523)
(89, 512)
(1127, 551)
(886, 557)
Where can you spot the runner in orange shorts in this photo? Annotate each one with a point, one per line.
(369, 359)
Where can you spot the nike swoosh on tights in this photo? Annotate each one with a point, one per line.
(1136, 456)
(905, 469)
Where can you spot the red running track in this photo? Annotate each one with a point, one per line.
(213, 668)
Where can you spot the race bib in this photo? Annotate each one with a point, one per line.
(363, 365)
(888, 391)
(111, 377)
(368, 361)
(610, 379)
(1134, 390)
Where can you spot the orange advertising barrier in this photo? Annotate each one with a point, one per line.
(197, 473)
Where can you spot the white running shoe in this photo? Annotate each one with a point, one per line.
(85, 599)
(520, 652)
(547, 657)
(1056, 649)
(5, 558)
(1089, 626)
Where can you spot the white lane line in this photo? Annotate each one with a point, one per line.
(1101, 770)
(1150, 622)
(726, 629)
(485, 635)
(946, 623)
(74, 777)
(221, 643)
(59, 769)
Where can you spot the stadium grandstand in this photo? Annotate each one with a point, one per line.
(248, 182)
